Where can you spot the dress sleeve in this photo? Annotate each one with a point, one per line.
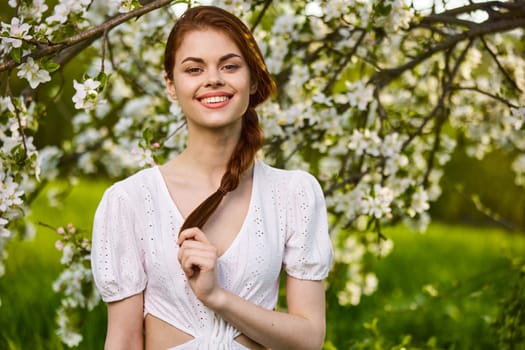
(116, 261)
(308, 251)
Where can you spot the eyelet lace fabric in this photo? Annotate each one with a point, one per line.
(135, 251)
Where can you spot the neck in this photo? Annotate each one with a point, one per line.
(209, 154)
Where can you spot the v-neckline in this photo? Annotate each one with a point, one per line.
(165, 190)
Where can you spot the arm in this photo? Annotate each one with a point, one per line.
(118, 270)
(125, 324)
(303, 327)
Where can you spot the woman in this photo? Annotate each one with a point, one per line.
(183, 269)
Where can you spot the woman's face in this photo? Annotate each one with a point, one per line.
(211, 80)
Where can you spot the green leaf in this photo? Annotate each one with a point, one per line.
(383, 9)
(16, 54)
(147, 134)
(51, 66)
(103, 79)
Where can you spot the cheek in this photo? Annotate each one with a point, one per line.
(247, 85)
(184, 94)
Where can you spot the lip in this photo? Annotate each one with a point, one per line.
(214, 105)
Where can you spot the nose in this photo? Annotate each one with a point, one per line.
(214, 80)
(215, 83)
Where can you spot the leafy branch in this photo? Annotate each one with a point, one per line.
(78, 42)
(503, 22)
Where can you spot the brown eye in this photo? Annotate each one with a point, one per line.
(193, 70)
(231, 67)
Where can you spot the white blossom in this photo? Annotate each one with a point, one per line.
(391, 145)
(318, 27)
(419, 202)
(284, 24)
(365, 142)
(86, 162)
(370, 284)
(239, 8)
(399, 16)
(6, 104)
(60, 14)
(123, 5)
(517, 118)
(358, 95)
(335, 9)
(142, 156)
(418, 223)
(17, 31)
(70, 337)
(377, 204)
(81, 120)
(350, 295)
(32, 73)
(279, 49)
(64, 8)
(67, 256)
(124, 124)
(351, 252)
(86, 94)
(48, 159)
(10, 194)
(380, 248)
(36, 10)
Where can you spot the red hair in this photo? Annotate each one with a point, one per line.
(251, 138)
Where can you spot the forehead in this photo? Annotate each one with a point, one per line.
(206, 43)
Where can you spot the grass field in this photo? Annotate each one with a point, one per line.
(27, 313)
(442, 288)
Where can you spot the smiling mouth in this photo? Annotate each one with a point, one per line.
(214, 99)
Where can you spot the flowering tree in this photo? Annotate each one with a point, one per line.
(372, 96)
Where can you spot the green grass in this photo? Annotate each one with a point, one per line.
(469, 268)
(466, 265)
(27, 313)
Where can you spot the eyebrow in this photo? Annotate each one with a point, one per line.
(200, 60)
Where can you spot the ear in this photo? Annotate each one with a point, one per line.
(170, 88)
(253, 88)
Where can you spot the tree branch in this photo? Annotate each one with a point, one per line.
(441, 18)
(513, 9)
(478, 90)
(342, 66)
(385, 76)
(500, 66)
(351, 179)
(440, 104)
(261, 14)
(88, 36)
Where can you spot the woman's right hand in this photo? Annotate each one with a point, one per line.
(198, 258)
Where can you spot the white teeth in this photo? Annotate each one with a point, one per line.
(215, 99)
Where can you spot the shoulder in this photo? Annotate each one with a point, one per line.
(135, 185)
(290, 177)
(292, 180)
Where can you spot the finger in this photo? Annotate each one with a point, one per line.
(202, 257)
(186, 252)
(202, 263)
(192, 245)
(192, 233)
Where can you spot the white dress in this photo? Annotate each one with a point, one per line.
(134, 249)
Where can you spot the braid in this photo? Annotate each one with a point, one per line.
(250, 141)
